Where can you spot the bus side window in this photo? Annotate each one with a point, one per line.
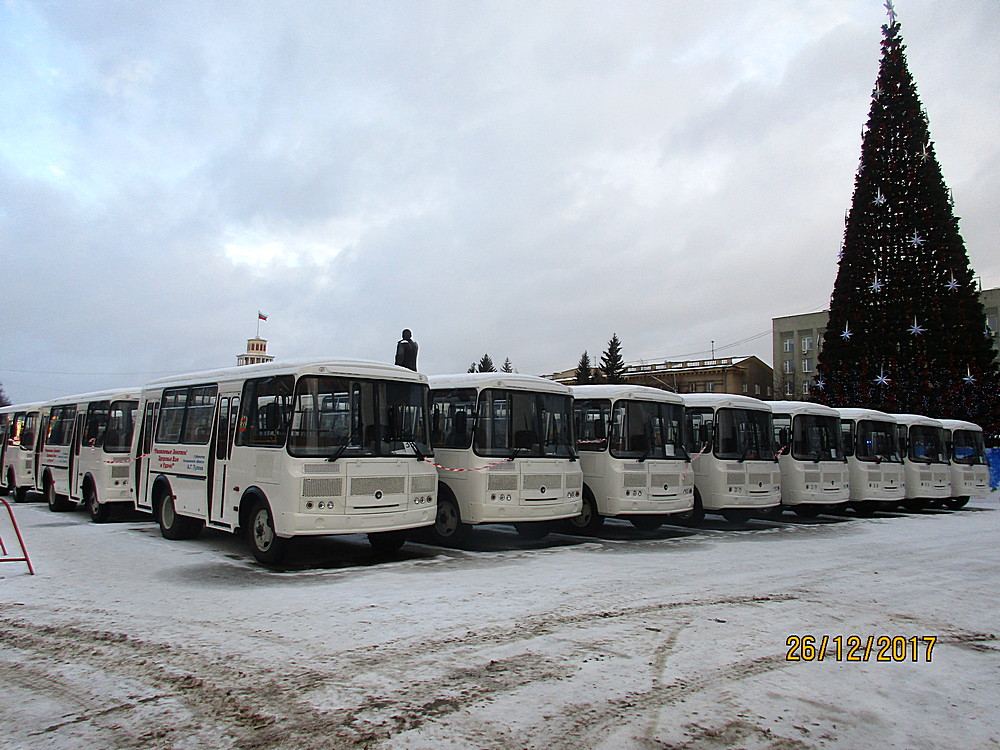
(222, 429)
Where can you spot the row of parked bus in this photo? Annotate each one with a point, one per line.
(280, 450)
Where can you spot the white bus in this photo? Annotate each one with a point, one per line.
(18, 451)
(731, 442)
(287, 449)
(871, 443)
(970, 471)
(925, 460)
(506, 453)
(632, 451)
(814, 473)
(84, 451)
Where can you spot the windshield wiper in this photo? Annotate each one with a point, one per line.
(344, 446)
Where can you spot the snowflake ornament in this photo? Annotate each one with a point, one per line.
(916, 240)
(916, 329)
(968, 379)
(875, 286)
(820, 384)
(879, 198)
(882, 378)
(846, 333)
(952, 284)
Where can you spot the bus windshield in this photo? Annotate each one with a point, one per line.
(647, 429)
(340, 416)
(744, 434)
(118, 436)
(816, 438)
(968, 448)
(926, 444)
(876, 441)
(513, 424)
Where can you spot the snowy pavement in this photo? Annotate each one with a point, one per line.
(675, 639)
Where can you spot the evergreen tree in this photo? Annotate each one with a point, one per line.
(4, 400)
(486, 364)
(907, 332)
(507, 366)
(472, 367)
(584, 373)
(612, 363)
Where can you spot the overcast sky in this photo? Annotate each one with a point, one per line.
(517, 178)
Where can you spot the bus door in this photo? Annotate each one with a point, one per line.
(41, 433)
(140, 461)
(5, 423)
(75, 474)
(222, 452)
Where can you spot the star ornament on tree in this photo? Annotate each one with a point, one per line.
(952, 284)
(891, 11)
(875, 286)
(846, 333)
(882, 378)
(916, 329)
(916, 240)
(968, 379)
(820, 384)
(879, 199)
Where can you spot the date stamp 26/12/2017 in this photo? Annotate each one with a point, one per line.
(877, 648)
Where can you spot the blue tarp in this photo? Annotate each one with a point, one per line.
(993, 456)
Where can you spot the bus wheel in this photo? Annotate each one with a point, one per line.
(646, 523)
(173, 525)
(808, 511)
(589, 520)
(772, 514)
(20, 494)
(267, 546)
(448, 526)
(956, 502)
(694, 516)
(387, 542)
(737, 515)
(99, 512)
(865, 508)
(57, 503)
(532, 529)
(914, 504)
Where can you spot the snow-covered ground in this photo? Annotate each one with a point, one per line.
(676, 639)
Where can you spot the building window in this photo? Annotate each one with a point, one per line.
(744, 387)
(756, 389)
(807, 344)
(805, 388)
(789, 367)
(789, 345)
(807, 364)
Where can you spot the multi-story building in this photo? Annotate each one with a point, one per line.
(255, 354)
(747, 376)
(796, 341)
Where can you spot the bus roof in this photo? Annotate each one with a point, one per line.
(919, 419)
(113, 394)
(14, 408)
(869, 414)
(351, 367)
(802, 407)
(960, 424)
(512, 380)
(614, 391)
(725, 401)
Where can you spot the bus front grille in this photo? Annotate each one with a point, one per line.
(537, 481)
(322, 486)
(423, 483)
(371, 485)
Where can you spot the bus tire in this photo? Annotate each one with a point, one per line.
(590, 520)
(266, 545)
(808, 510)
(956, 502)
(533, 530)
(448, 527)
(99, 512)
(57, 503)
(737, 515)
(173, 525)
(646, 522)
(696, 515)
(387, 542)
(915, 504)
(772, 514)
(865, 508)
(20, 494)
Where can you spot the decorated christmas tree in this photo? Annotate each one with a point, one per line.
(907, 332)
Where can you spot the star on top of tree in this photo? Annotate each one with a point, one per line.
(891, 11)
(916, 329)
(846, 333)
(952, 284)
(916, 240)
(879, 198)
